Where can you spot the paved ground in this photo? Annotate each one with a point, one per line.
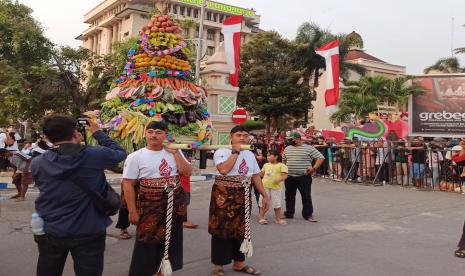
(361, 231)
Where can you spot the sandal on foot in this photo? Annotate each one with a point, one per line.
(218, 272)
(460, 253)
(263, 221)
(15, 196)
(248, 270)
(124, 236)
(281, 222)
(312, 219)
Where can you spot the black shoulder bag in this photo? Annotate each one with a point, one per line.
(108, 202)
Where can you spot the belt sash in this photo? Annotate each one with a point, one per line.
(221, 196)
(155, 189)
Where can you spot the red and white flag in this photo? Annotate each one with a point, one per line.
(330, 52)
(232, 27)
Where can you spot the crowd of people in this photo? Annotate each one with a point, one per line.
(155, 194)
(422, 163)
(18, 159)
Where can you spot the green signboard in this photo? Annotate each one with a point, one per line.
(221, 7)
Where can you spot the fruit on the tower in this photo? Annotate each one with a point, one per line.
(157, 85)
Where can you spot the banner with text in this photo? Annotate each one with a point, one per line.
(440, 111)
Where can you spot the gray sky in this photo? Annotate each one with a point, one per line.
(413, 33)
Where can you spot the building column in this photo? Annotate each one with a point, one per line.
(217, 37)
(109, 40)
(120, 26)
(114, 34)
(99, 44)
(95, 39)
(90, 44)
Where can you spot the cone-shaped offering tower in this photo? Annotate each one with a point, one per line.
(157, 85)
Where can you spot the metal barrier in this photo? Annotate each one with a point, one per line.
(387, 163)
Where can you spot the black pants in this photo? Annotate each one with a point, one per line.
(87, 253)
(383, 172)
(302, 183)
(123, 218)
(146, 257)
(462, 240)
(224, 251)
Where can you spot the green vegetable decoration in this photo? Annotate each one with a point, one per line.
(157, 85)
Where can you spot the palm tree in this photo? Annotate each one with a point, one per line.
(446, 65)
(399, 89)
(361, 97)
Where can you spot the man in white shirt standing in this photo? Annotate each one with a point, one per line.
(230, 204)
(156, 204)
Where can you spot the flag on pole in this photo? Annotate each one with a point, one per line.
(330, 52)
(232, 27)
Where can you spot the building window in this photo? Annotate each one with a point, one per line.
(224, 138)
(221, 18)
(196, 13)
(221, 37)
(188, 12)
(209, 16)
(215, 15)
(175, 9)
(126, 34)
(226, 80)
(210, 34)
(196, 33)
(185, 32)
(182, 10)
(226, 104)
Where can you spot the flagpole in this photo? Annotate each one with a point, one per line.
(199, 42)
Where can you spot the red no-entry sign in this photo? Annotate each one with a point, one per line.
(239, 116)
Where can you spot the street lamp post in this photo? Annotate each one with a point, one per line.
(200, 44)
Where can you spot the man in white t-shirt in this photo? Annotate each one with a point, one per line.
(151, 179)
(230, 205)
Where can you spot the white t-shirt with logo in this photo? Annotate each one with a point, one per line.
(246, 164)
(146, 163)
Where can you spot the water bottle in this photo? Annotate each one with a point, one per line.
(37, 224)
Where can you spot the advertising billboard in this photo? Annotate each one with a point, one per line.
(440, 111)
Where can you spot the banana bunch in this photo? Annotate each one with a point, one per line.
(131, 127)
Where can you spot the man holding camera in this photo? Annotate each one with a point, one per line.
(72, 221)
(299, 158)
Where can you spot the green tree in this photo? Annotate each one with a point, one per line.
(82, 77)
(270, 81)
(24, 55)
(361, 97)
(446, 65)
